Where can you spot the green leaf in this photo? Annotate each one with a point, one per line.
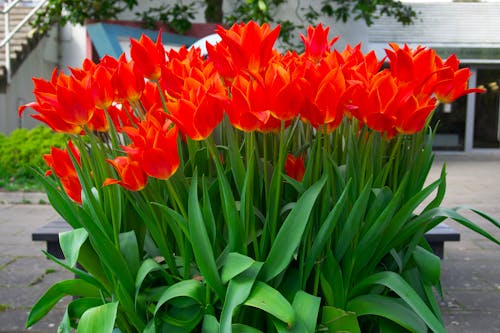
(234, 265)
(200, 242)
(387, 307)
(79, 306)
(210, 324)
(52, 296)
(397, 284)
(130, 250)
(147, 266)
(71, 242)
(100, 319)
(75, 310)
(339, 321)
(229, 210)
(270, 300)
(240, 328)
(306, 307)
(428, 264)
(352, 226)
(192, 289)
(81, 274)
(441, 191)
(238, 290)
(325, 232)
(290, 233)
(332, 281)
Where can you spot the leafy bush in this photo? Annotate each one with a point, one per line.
(22, 150)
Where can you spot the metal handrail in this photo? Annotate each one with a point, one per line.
(10, 34)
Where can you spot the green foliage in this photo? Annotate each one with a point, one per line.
(22, 151)
(341, 10)
(266, 255)
(77, 12)
(178, 16)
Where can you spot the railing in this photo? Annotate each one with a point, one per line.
(9, 34)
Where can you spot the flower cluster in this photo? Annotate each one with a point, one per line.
(157, 94)
(249, 189)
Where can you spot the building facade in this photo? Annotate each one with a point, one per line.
(471, 30)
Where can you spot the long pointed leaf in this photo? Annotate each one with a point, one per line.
(238, 290)
(290, 234)
(325, 232)
(270, 300)
(55, 293)
(100, 319)
(397, 284)
(389, 308)
(71, 242)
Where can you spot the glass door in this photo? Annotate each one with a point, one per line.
(450, 120)
(486, 119)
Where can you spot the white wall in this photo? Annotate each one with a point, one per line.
(20, 90)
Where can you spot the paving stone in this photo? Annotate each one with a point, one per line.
(475, 300)
(472, 322)
(477, 275)
(13, 321)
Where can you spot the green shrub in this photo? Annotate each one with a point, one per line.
(22, 150)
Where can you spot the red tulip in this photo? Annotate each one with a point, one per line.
(131, 174)
(154, 145)
(148, 56)
(200, 108)
(249, 46)
(248, 109)
(128, 83)
(452, 81)
(59, 160)
(294, 167)
(316, 43)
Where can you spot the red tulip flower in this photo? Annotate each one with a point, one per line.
(154, 145)
(200, 108)
(131, 174)
(294, 167)
(128, 83)
(316, 42)
(148, 56)
(249, 45)
(452, 81)
(61, 164)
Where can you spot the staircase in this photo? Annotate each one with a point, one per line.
(21, 44)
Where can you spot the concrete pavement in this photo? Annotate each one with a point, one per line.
(470, 271)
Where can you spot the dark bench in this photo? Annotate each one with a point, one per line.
(440, 234)
(49, 233)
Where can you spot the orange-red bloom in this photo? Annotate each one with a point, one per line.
(390, 106)
(200, 107)
(64, 103)
(154, 145)
(59, 161)
(316, 43)
(248, 110)
(131, 174)
(452, 82)
(249, 46)
(294, 167)
(128, 83)
(148, 56)
(324, 98)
